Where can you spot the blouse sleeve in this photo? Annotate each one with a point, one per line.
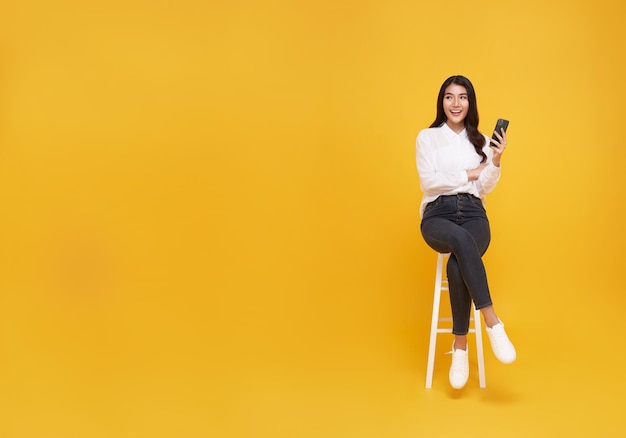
(432, 181)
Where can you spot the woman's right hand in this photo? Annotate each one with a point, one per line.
(473, 174)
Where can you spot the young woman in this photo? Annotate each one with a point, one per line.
(458, 166)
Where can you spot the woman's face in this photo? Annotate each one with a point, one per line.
(455, 104)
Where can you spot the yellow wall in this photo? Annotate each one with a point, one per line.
(210, 211)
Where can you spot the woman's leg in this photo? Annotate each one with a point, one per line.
(500, 343)
(460, 302)
(480, 231)
(466, 272)
(459, 225)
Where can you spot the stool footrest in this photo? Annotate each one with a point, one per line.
(449, 330)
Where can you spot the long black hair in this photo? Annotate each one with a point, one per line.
(471, 120)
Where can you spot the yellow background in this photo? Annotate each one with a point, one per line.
(210, 220)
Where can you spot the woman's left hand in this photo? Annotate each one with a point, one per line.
(498, 146)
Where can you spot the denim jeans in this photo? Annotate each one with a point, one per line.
(458, 224)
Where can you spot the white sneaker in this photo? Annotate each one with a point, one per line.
(459, 369)
(500, 344)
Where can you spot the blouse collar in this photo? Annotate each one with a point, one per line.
(450, 133)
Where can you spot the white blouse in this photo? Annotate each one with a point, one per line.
(443, 159)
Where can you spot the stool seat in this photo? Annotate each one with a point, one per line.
(441, 284)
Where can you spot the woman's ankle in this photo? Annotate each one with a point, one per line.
(490, 317)
(460, 343)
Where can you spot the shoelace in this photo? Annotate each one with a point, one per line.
(499, 337)
(458, 364)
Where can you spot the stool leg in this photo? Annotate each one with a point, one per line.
(479, 348)
(434, 323)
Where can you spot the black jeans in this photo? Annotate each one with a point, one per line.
(458, 224)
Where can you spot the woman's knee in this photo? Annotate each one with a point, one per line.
(461, 240)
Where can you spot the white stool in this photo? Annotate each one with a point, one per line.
(441, 284)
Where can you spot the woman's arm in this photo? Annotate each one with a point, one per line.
(490, 175)
(432, 181)
(474, 174)
(498, 146)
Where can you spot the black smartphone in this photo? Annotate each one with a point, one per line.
(501, 123)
